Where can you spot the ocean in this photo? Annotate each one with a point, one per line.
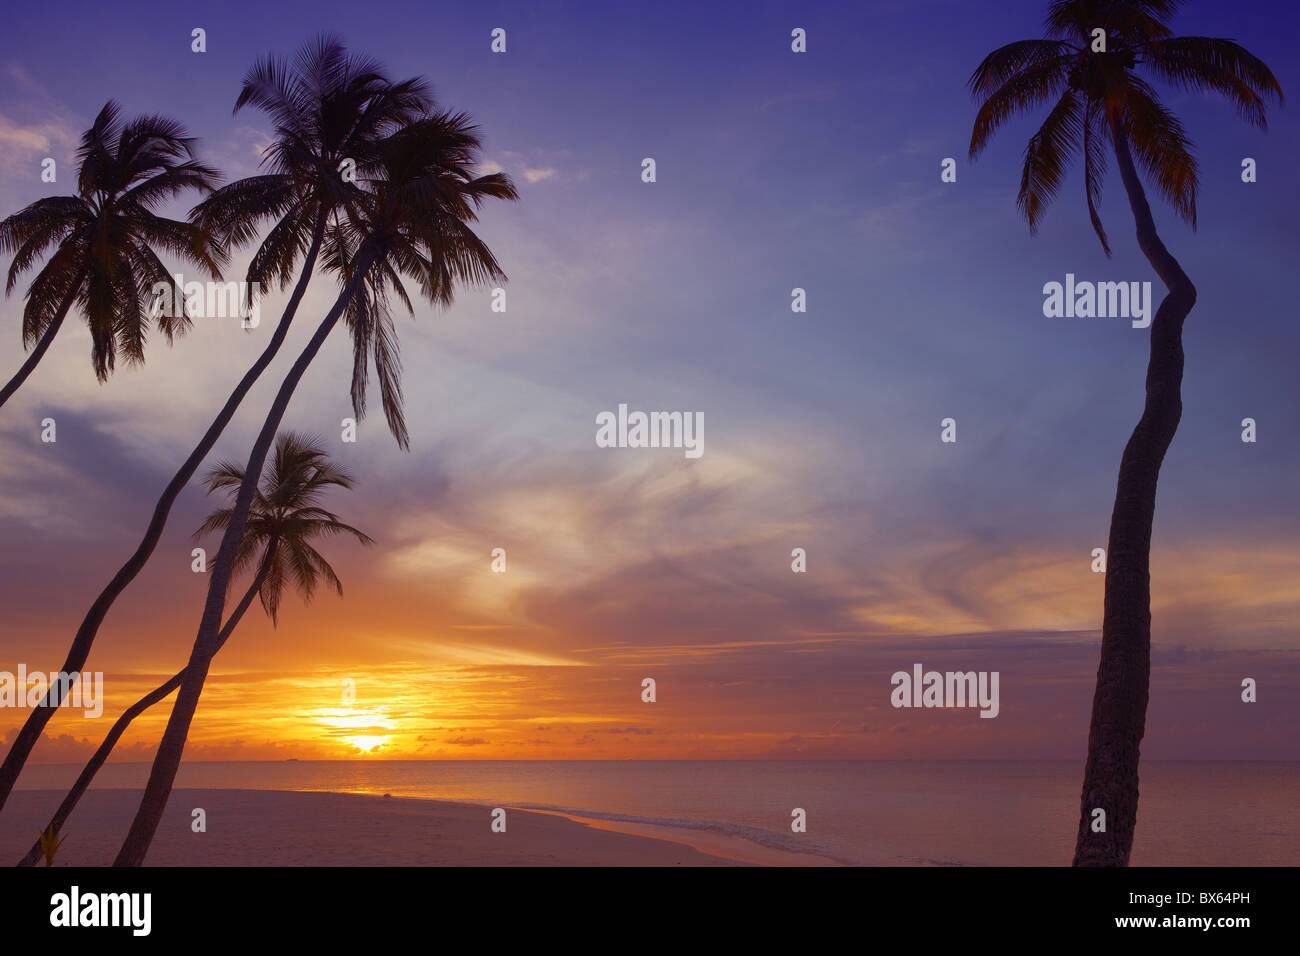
(957, 813)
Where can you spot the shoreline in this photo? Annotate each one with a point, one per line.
(330, 828)
(727, 846)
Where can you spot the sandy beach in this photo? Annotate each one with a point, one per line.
(294, 828)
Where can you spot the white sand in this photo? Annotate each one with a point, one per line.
(290, 828)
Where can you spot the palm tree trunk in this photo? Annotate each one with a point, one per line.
(1119, 706)
(168, 758)
(42, 345)
(119, 727)
(80, 649)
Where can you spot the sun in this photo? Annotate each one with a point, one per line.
(368, 722)
(366, 743)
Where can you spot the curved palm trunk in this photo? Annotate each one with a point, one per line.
(168, 758)
(80, 650)
(42, 345)
(1119, 706)
(119, 727)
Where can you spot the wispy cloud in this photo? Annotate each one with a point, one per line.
(520, 165)
(20, 141)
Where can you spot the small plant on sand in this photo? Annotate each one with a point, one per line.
(50, 843)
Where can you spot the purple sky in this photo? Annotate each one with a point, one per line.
(774, 171)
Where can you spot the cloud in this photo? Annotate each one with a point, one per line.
(45, 127)
(68, 748)
(78, 485)
(516, 164)
(26, 80)
(21, 141)
(628, 730)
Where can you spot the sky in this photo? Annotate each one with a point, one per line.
(774, 171)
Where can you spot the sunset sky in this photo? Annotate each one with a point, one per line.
(774, 171)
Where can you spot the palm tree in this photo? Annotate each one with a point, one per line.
(103, 241)
(284, 519)
(1100, 101)
(327, 107)
(414, 221)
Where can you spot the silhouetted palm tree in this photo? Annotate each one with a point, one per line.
(104, 240)
(414, 221)
(285, 517)
(1101, 102)
(328, 107)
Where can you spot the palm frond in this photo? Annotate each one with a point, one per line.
(1162, 148)
(1095, 137)
(1009, 61)
(1023, 91)
(1048, 156)
(1208, 65)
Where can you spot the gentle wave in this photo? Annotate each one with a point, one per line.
(763, 838)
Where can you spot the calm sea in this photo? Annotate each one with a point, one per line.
(874, 812)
